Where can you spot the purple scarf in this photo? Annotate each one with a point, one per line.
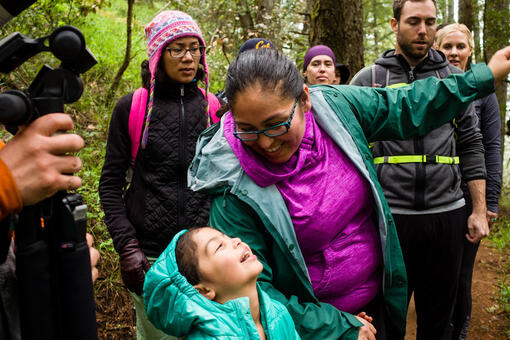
(331, 207)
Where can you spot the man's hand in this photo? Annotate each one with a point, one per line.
(500, 64)
(39, 161)
(367, 331)
(478, 227)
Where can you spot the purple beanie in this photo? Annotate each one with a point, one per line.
(315, 51)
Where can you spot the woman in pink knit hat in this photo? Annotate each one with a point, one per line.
(143, 219)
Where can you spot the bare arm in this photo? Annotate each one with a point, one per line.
(500, 64)
(478, 227)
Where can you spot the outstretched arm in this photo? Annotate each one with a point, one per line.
(500, 64)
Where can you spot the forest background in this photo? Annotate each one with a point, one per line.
(357, 31)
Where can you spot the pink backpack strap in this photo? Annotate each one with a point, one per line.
(214, 105)
(136, 117)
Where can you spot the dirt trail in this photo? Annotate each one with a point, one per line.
(484, 325)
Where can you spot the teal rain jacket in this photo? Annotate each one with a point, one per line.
(178, 309)
(352, 116)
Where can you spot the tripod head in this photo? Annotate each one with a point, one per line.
(51, 88)
(56, 297)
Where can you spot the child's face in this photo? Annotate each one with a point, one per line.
(226, 264)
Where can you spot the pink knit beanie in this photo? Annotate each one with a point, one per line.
(166, 27)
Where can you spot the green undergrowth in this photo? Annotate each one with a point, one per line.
(105, 33)
(499, 239)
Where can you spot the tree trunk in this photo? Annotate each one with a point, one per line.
(466, 13)
(450, 16)
(466, 16)
(476, 33)
(268, 21)
(245, 19)
(374, 24)
(495, 36)
(127, 54)
(339, 25)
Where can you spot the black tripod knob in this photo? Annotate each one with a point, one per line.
(15, 108)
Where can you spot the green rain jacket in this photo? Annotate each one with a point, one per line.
(352, 116)
(178, 309)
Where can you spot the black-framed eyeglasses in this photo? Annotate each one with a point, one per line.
(178, 52)
(272, 131)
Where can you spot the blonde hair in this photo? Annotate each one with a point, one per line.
(443, 32)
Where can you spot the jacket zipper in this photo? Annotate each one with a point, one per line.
(181, 166)
(420, 170)
(411, 76)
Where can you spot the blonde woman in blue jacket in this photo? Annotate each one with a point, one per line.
(204, 286)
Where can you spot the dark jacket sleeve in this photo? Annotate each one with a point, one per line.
(469, 145)
(113, 176)
(490, 124)
(313, 320)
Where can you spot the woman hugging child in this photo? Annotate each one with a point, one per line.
(204, 285)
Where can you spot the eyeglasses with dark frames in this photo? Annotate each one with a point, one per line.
(179, 52)
(272, 131)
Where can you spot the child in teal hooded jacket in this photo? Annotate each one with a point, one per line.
(204, 286)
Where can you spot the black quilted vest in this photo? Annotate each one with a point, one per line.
(159, 202)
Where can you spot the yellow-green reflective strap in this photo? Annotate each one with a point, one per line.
(447, 160)
(397, 85)
(416, 159)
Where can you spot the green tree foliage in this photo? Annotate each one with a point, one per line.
(40, 20)
(226, 24)
(46, 15)
(379, 36)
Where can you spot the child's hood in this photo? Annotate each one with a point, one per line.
(176, 307)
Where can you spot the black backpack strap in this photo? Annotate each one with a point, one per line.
(443, 72)
(380, 76)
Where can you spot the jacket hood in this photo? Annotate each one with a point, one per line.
(176, 307)
(396, 62)
(214, 166)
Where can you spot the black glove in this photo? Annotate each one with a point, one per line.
(133, 266)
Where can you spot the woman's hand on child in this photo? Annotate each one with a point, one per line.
(367, 331)
(364, 315)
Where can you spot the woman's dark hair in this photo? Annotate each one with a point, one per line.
(265, 67)
(186, 257)
(146, 74)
